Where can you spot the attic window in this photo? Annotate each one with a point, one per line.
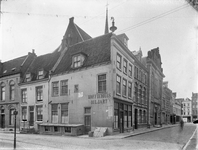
(40, 74)
(13, 69)
(78, 60)
(5, 71)
(28, 77)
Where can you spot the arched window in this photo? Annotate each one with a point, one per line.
(11, 90)
(2, 92)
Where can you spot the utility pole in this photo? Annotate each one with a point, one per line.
(15, 113)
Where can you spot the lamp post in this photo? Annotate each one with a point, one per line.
(15, 113)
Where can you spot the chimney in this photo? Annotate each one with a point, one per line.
(71, 20)
(113, 27)
(33, 51)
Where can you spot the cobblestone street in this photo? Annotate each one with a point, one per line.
(169, 138)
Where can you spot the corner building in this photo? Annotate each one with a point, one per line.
(92, 85)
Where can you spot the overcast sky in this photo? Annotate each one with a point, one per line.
(171, 25)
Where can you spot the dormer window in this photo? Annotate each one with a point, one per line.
(28, 77)
(13, 69)
(78, 60)
(40, 74)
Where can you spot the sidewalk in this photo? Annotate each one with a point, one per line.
(133, 133)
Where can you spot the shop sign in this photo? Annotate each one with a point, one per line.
(100, 98)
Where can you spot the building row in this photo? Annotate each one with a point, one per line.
(84, 84)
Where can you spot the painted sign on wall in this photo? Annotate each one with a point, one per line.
(100, 98)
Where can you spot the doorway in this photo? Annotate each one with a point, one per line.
(31, 121)
(136, 119)
(87, 119)
(121, 122)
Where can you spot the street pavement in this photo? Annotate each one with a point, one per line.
(168, 137)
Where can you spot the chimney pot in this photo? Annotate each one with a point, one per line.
(71, 19)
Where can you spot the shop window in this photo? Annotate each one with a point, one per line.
(68, 129)
(102, 83)
(24, 95)
(39, 93)
(54, 113)
(116, 125)
(129, 116)
(118, 85)
(64, 87)
(119, 61)
(125, 116)
(55, 88)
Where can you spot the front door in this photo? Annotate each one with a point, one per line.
(136, 119)
(87, 119)
(2, 120)
(155, 118)
(31, 121)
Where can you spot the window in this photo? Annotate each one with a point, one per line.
(116, 125)
(64, 87)
(54, 113)
(130, 90)
(39, 93)
(87, 110)
(47, 128)
(64, 113)
(78, 61)
(40, 74)
(11, 121)
(39, 113)
(129, 116)
(3, 92)
(130, 70)
(136, 72)
(24, 113)
(76, 88)
(56, 129)
(11, 90)
(125, 66)
(24, 95)
(136, 92)
(68, 129)
(28, 77)
(118, 85)
(124, 89)
(140, 94)
(101, 83)
(55, 89)
(119, 58)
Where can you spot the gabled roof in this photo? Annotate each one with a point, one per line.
(17, 65)
(97, 51)
(44, 62)
(74, 34)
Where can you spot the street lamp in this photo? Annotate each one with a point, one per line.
(15, 113)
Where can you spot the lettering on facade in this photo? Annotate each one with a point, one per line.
(100, 98)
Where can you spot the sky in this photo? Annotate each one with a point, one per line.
(171, 25)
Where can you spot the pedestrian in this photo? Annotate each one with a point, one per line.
(181, 124)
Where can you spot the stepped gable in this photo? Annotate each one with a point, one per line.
(13, 66)
(96, 51)
(44, 62)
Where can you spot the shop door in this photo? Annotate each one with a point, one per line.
(121, 122)
(31, 121)
(87, 123)
(2, 120)
(136, 119)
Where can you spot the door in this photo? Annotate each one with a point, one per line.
(87, 119)
(136, 119)
(121, 122)
(2, 120)
(31, 121)
(155, 118)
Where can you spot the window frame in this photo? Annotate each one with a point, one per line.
(130, 70)
(12, 90)
(3, 89)
(55, 89)
(24, 100)
(118, 90)
(39, 113)
(125, 63)
(39, 93)
(119, 63)
(129, 90)
(101, 81)
(124, 86)
(64, 86)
